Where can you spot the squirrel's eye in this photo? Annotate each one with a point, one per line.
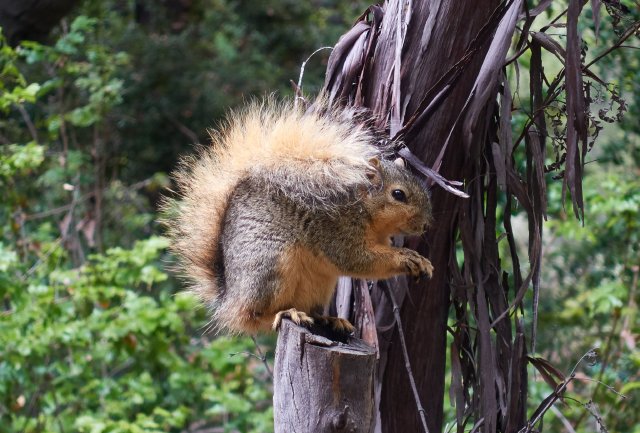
(399, 195)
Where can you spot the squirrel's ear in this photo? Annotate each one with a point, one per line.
(400, 163)
(373, 173)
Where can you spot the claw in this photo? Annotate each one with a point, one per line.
(417, 266)
(342, 326)
(298, 317)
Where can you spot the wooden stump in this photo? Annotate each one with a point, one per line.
(322, 385)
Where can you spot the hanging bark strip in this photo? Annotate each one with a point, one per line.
(576, 111)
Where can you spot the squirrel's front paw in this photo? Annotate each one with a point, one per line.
(416, 265)
(298, 317)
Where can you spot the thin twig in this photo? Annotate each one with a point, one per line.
(98, 187)
(262, 356)
(631, 304)
(63, 125)
(565, 422)
(557, 393)
(606, 356)
(27, 119)
(591, 353)
(60, 241)
(41, 260)
(64, 208)
(299, 89)
(405, 355)
(517, 55)
(54, 211)
(599, 382)
(630, 31)
(245, 353)
(553, 92)
(184, 129)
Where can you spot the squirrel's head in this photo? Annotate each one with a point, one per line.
(399, 201)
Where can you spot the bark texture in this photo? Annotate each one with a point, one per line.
(435, 76)
(321, 386)
(388, 63)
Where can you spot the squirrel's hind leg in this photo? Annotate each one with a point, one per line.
(339, 328)
(337, 324)
(298, 317)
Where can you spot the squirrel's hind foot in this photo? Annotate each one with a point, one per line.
(342, 326)
(298, 317)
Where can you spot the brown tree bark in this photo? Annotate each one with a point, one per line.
(392, 62)
(321, 386)
(437, 36)
(434, 75)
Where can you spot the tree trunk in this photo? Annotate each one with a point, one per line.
(433, 74)
(322, 386)
(395, 59)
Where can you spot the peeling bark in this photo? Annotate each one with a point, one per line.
(407, 49)
(321, 385)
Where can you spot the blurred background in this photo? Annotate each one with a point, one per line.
(99, 98)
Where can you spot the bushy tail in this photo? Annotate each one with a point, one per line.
(312, 156)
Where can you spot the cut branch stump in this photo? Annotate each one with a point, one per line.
(322, 385)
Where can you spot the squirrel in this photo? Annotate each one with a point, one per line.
(282, 203)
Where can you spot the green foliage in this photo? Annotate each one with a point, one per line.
(190, 61)
(19, 160)
(91, 341)
(622, 68)
(106, 348)
(68, 128)
(94, 334)
(14, 88)
(589, 284)
(591, 292)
